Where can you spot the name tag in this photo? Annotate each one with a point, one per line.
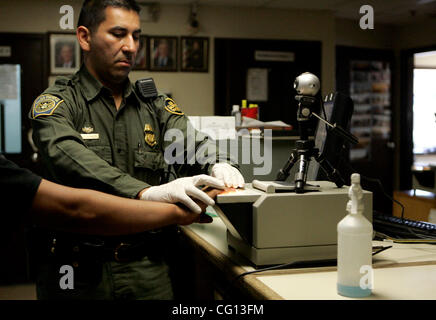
(90, 136)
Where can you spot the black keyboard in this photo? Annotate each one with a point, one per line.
(398, 228)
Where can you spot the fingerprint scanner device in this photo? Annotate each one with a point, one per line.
(279, 222)
(280, 186)
(284, 226)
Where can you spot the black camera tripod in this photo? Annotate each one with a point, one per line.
(305, 148)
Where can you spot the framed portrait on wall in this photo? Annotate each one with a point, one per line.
(64, 53)
(194, 54)
(163, 53)
(141, 61)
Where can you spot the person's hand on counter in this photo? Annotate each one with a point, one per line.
(184, 190)
(187, 217)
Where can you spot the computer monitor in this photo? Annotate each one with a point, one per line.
(338, 110)
(11, 118)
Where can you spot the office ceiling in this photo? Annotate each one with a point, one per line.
(392, 12)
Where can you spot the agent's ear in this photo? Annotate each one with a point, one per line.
(84, 37)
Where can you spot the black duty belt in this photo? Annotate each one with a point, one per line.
(153, 244)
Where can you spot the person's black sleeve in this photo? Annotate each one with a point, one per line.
(18, 187)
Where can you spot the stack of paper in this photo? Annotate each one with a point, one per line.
(253, 123)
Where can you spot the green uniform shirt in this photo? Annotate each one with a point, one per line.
(86, 142)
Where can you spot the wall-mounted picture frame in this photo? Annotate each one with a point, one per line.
(64, 53)
(163, 53)
(141, 61)
(194, 54)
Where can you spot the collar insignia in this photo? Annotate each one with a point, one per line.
(87, 129)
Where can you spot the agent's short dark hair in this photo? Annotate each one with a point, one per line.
(93, 11)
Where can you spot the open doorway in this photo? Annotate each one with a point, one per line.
(417, 160)
(417, 99)
(424, 107)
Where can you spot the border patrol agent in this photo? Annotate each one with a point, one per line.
(95, 130)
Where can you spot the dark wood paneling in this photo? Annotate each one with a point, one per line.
(380, 164)
(233, 57)
(29, 51)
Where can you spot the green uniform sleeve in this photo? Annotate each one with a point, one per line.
(66, 156)
(188, 150)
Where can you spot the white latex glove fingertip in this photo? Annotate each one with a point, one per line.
(195, 208)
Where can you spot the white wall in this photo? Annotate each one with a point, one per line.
(416, 35)
(425, 60)
(194, 92)
(348, 33)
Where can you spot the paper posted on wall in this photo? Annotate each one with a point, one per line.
(218, 128)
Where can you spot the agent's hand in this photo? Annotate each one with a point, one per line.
(231, 176)
(182, 189)
(187, 217)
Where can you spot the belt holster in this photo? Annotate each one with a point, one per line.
(85, 256)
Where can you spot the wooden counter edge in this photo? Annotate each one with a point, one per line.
(256, 288)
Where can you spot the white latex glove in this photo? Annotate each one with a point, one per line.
(180, 189)
(229, 175)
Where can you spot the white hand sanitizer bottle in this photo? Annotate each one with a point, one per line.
(355, 247)
(237, 114)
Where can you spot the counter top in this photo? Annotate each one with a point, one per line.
(405, 271)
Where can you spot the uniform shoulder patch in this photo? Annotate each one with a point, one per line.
(172, 107)
(45, 105)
